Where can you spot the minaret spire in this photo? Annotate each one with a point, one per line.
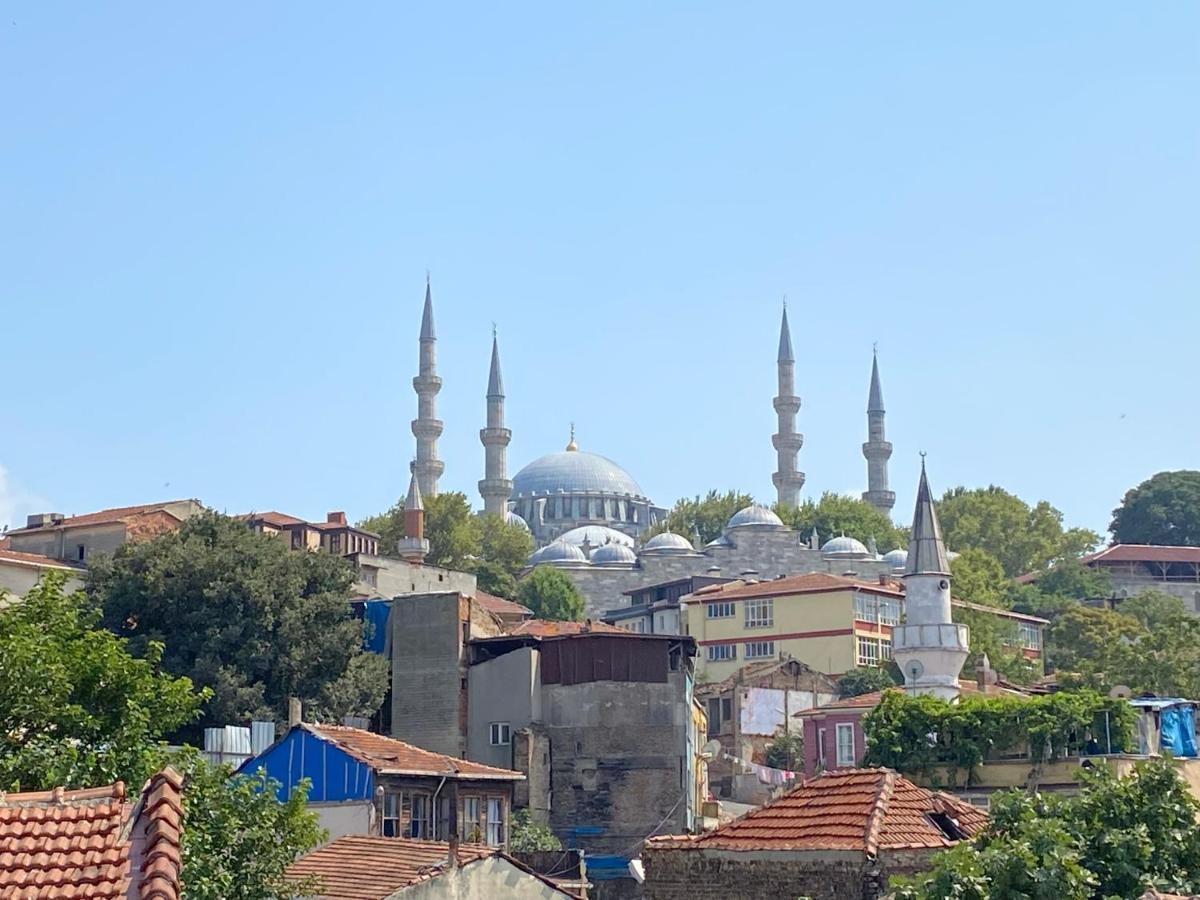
(413, 546)
(427, 427)
(877, 449)
(787, 441)
(495, 487)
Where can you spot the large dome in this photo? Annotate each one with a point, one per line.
(557, 553)
(573, 472)
(668, 542)
(845, 548)
(613, 555)
(596, 536)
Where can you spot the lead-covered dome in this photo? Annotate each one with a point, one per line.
(754, 515)
(668, 542)
(557, 553)
(596, 536)
(613, 555)
(574, 472)
(845, 548)
(896, 559)
(513, 519)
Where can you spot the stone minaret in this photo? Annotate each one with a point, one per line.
(877, 449)
(788, 480)
(427, 427)
(413, 546)
(496, 486)
(929, 648)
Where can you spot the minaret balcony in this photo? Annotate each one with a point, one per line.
(880, 499)
(939, 636)
(427, 428)
(877, 449)
(427, 384)
(788, 443)
(495, 436)
(788, 404)
(491, 487)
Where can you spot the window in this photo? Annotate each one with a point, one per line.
(500, 734)
(495, 822)
(469, 829)
(868, 651)
(1030, 636)
(419, 827)
(392, 804)
(885, 649)
(335, 543)
(845, 744)
(760, 649)
(873, 608)
(297, 540)
(714, 717)
(723, 610)
(760, 613)
(821, 757)
(369, 576)
(889, 611)
(722, 652)
(81, 552)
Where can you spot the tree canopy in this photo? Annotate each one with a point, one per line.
(1020, 537)
(551, 595)
(1163, 509)
(244, 616)
(838, 514)
(703, 517)
(978, 577)
(76, 707)
(867, 679)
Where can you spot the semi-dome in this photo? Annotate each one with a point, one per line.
(668, 542)
(557, 553)
(845, 548)
(896, 559)
(613, 555)
(596, 536)
(574, 472)
(513, 519)
(754, 515)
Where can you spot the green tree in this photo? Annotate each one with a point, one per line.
(998, 638)
(978, 577)
(1088, 642)
(837, 514)
(1022, 538)
(1163, 509)
(1156, 610)
(866, 680)
(504, 550)
(705, 517)
(243, 615)
(238, 839)
(526, 835)
(76, 707)
(551, 595)
(1065, 584)
(786, 750)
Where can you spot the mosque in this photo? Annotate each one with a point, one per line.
(587, 514)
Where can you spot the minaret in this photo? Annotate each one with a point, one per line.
(877, 449)
(413, 546)
(929, 648)
(496, 486)
(427, 427)
(787, 441)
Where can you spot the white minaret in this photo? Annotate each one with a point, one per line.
(495, 487)
(877, 449)
(787, 441)
(427, 427)
(929, 647)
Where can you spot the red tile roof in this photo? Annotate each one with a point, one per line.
(865, 810)
(33, 559)
(396, 757)
(547, 628)
(106, 516)
(65, 844)
(1144, 553)
(271, 517)
(500, 606)
(809, 583)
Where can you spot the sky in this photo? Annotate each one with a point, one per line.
(216, 222)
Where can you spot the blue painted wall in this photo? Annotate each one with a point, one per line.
(334, 773)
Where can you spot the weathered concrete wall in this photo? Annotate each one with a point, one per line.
(17, 579)
(427, 696)
(395, 576)
(493, 878)
(58, 543)
(341, 819)
(531, 756)
(503, 689)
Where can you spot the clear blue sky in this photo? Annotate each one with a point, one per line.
(217, 221)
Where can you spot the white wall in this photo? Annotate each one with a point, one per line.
(494, 878)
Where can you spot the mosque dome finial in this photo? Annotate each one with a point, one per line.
(571, 445)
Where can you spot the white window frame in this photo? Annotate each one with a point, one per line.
(760, 649)
(844, 743)
(760, 612)
(494, 825)
(721, 652)
(721, 610)
(863, 643)
(499, 734)
(822, 756)
(468, 829)
(393, 812)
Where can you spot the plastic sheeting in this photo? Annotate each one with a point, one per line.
(375, 637)
(1177, 730)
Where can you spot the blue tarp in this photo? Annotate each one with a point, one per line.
(1177, 730)
(376, 625)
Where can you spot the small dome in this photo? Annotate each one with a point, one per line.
(754, 515)
(557, 553)
(668, 542)
(513, 519)
(613, 555)
(896, 559)
(596, 535)
(845, 548)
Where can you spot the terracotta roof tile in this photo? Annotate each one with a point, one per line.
(549, 628)
(373, 868)
(499, 606)
(1144, 553)
(106, 516)
(863, 810)
(390, 755)
(809, 583)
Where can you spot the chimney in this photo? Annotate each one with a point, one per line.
(295, 712)
(884, 580)
(336, 518)
(984, 674)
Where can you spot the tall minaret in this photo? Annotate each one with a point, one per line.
(427, 427)
(496, 486)
(787, 441)
(929, 648)
(877, 449)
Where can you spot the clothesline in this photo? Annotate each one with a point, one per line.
(766, 774)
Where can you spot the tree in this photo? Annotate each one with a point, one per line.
(866, 680)
(1022, 538)
(551, 595)
(978, 577)
(998, 638)
(704, 518)
(1163, 509)
(243, 615)
(504, 550)
(527, 836)
(1065, 584)
(1087, 641)
(838, 514)
(238, 839)
(77, 709)
(786, 750)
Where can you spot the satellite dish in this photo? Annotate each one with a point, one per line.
(711, 749)
(1120, 692)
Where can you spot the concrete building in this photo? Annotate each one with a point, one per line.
(335, 535)
(840, 836)
(654, 609)
(77, 538)
(21, 571)
(602, 723)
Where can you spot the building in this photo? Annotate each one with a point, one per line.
(1136, 568)
(372, 868)
(746, 711)
(335, 535)
(21, 571)
(601, 722)
(95, 842)
(840, 836)
(369, 784)
(77, 538)
(654, 609)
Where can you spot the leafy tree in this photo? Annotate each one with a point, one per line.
(837, 514)
(703, 517)
(238, 839)
(978, 577)
(76, 707)
(526, 835)
(504, 550)
(243, 615)
(1022, 538)
(551, 595)
(1088, 641)
(998, 638)
(786, 750)
(867, 679)
(1163, 509)
(1064, 585)
(1156, 610)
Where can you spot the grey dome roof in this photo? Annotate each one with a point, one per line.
(668, 542)
(754, 515)
(896, 559)
(846, 547)
(613, 554)
(596, 535)
(572, 472)
(557, 553)
(513, 519)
